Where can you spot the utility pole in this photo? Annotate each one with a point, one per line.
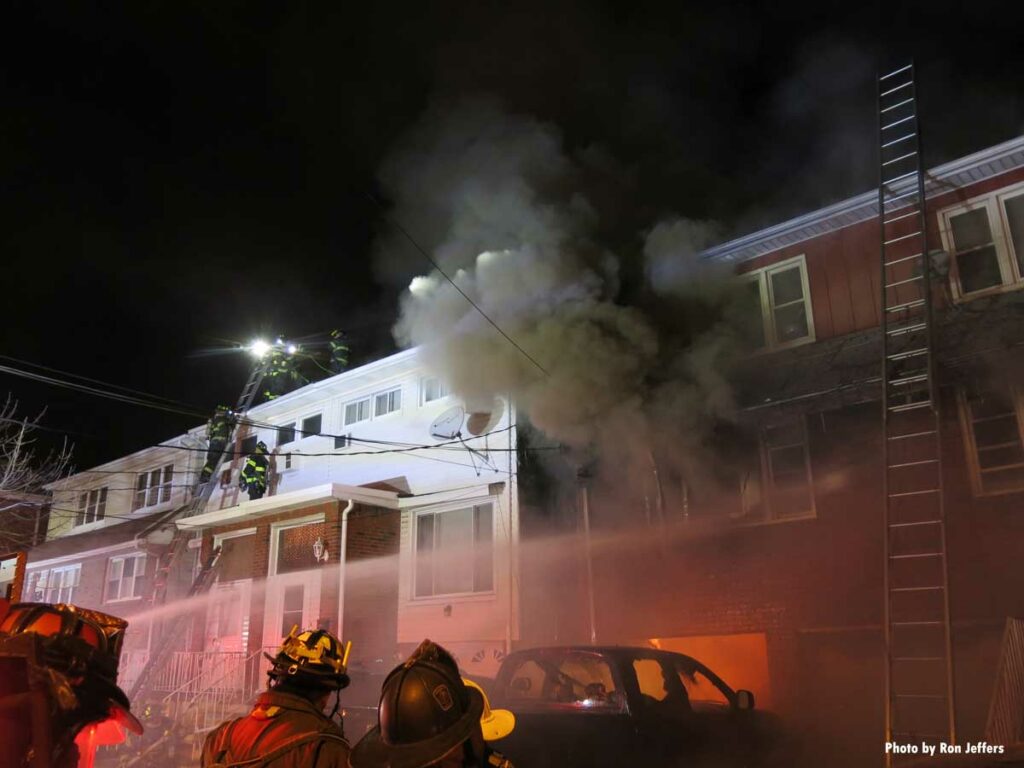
(583, 477)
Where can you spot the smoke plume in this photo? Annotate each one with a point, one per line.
(508, 214)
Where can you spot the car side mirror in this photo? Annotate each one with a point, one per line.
(744, 700)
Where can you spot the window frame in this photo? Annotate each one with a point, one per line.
(767, 480)
(51, 594)
(293, 426)
(91, 502)
(275, 535)
(418, 515)
(442, 388)
(164, 488)
(136, 577)
(387, 393)
(369, 410)
(763, 275)
(301, 432)
(971, 444)
(994, 204)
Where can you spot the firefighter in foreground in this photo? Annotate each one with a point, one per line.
(428, 716)
(253, 478)
(287, 727)
(218, 430)
(58, 675)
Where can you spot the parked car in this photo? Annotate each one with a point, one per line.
(617, 706)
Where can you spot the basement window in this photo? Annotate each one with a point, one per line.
(781, 293)
(153, 487)
(985, 237)
(779, 486)
(992, 422)
(455, 551)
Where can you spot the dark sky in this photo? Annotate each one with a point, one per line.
(177, 174)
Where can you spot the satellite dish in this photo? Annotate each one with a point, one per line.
(482, 422)
(448, 425)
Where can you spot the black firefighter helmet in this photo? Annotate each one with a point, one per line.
(314, 657)
(425, 711)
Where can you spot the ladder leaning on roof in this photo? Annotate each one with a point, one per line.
(200, 494)
(919, 664)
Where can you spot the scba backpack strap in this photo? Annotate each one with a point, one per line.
(263, 760)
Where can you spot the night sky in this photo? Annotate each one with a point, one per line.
(178, 176)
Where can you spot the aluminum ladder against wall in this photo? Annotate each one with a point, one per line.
(200, 494)
(919, 691)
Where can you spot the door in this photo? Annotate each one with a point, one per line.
(293, 599)
(227, 634)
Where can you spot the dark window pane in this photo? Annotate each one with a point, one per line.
(752, 317)
(786, 286)
(483, 548)
(248, 445)
(979, 269)
(285, 434)
(311, 425)
(1015, 219)
(341, 441)
(101, 510)
(291, 614)
(424, 555)
(791, 323)
(971, 229)
(140, 492)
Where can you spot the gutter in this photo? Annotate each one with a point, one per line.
(342, 565)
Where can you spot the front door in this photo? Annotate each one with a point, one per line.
(293, 599)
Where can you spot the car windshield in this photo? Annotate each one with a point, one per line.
(699, 688)
(577, 680)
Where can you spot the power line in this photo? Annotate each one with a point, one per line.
(400, 228)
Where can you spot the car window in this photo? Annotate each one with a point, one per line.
(650, 678)
(579, 680)
(699, 688)
(659, 692)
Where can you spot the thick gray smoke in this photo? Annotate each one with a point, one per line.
(502, 208)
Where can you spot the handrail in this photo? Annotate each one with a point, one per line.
(234, 668)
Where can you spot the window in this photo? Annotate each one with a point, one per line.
(248, 445)
(700, 689)
(455, 551)
(781, 293)
(294, 546)
(387, 402)
(779, 484)
(992, 420)
(343, 441)
(56, 585)
(154, 487)
(659, 691)
(311, 425)
(286, 434)
(291, 608)
(124, 577)
(433, 389)
(357, 411)
(559, 680)
(985, 237)
(92, 506)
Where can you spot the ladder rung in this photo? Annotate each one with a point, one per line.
(904, 237)
(899, 178)
(907, 305)
(897, 88)
(897, 159)
(908, 380)
(897, 104)
(918, 658)
(911, 353)
(916, 555)
(897, 141)
(913, 464)
(911, 406)
(913, 493)
(906, 328)
(897, 122)
(916, 623)
(895, 72)
(919, 695)
(1002, 467)
(901, 216)
(902, 259)
(997, 446)
(894, 198)
(911, 434)
(916, 589)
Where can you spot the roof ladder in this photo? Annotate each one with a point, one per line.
(200, 494)
(919, 692)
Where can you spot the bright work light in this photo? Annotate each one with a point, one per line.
(259, 348)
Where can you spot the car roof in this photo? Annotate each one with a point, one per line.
(618, 651)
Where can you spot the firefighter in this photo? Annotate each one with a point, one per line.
(72, 655)
(218, 430)
(287, 727)
(253, 478)
(339, 352)
(282, 374)
(427, 716)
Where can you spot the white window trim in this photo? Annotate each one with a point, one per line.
(159, 487)
(446, 597)
(762, 276)
(275, 532)
(993, 203)
(50, 572)
(423, 390)
(135, 577)
(98, 521)
(770, 517)
(373, 402)
(971, 446)
(369, 411)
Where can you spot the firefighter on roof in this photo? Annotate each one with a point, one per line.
(287, 727)
(428, 716)
(218, 430)
(339, 352)
(253, 477)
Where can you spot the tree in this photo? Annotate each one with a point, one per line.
(23, 475)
